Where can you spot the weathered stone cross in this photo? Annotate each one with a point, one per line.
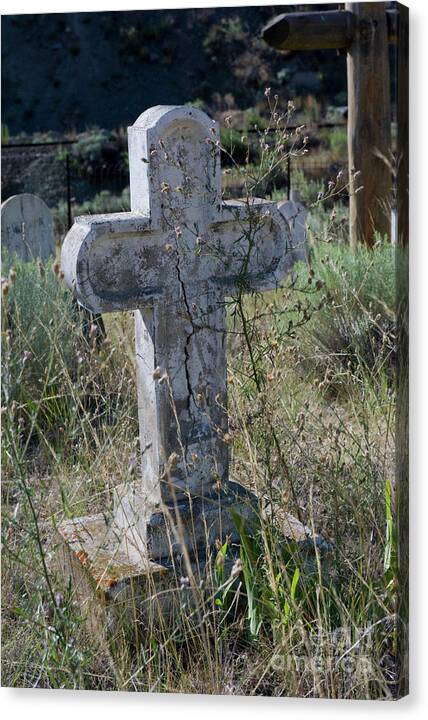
(173, 259)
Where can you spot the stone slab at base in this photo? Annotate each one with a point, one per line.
(179, 540)
(89, 539)
(104, 581)
(116, 593)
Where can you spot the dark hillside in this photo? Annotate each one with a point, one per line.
(65, 72)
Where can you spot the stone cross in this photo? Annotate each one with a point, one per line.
(27, 227)
(296, 214)
(173, 260)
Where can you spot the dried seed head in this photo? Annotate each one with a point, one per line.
(157, 373)
(237, 568)
(173, 460)
(12, 275)
(301, 418)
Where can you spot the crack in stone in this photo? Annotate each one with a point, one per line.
(188, 339)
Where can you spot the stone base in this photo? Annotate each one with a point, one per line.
(104, 581)
(180, 545)
(116, 592)
(197, 523)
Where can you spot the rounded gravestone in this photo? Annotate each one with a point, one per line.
(27, 228)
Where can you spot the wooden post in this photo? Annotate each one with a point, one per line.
(369, 124)
(364, 30)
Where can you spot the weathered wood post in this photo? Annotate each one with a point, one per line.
(363, 30)
(369, 124)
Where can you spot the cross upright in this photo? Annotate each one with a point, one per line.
(173, 260)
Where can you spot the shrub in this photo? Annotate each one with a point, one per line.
(103, 202)
(253, 118)
(224, 37)
(337, 140)
(89, 148)
(236, 148)
(56, 379)
(5, 135)
(355, 328)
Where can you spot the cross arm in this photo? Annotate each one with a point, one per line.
(322, 30)
(255, 242)
(310, 30)
(106, 264)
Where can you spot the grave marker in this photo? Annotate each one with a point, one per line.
(173, 259)
(296, 214)
(27, 228)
